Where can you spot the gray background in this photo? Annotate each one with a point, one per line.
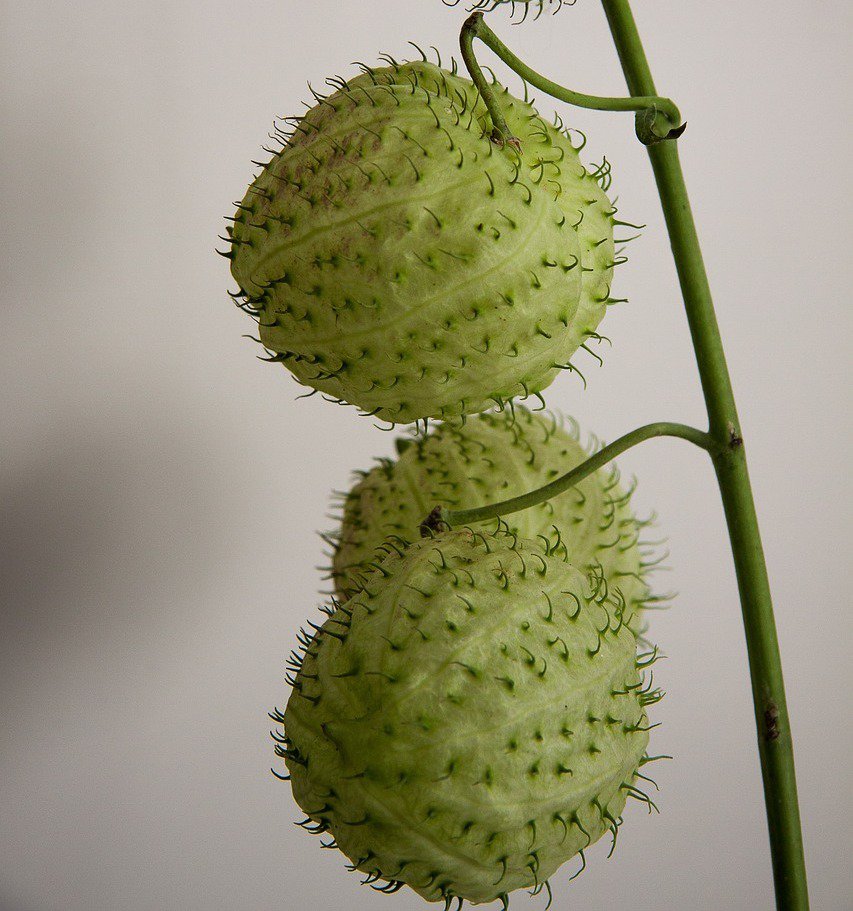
(161, 488)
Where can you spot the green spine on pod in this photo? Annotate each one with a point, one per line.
(470, 720)
(399, 260)
(494, 457)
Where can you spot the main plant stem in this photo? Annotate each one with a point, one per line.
(771, 712)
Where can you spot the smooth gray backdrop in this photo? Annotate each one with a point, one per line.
(161, 488)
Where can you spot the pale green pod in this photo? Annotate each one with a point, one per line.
(399, 260)
(495, 457)
(470, 721)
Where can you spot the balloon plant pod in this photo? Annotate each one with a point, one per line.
(397, 259)
(503, 454)
(471, 718)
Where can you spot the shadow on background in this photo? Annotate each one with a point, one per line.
(63, 512)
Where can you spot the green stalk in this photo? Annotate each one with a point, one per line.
(576, 475)
(662, 121)
(765, 664)
(658, 127)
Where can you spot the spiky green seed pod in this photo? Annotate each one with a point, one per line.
(397, 259)
(470, 721)
(495, 457)
(539, 6)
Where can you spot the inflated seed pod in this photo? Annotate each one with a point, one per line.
(495, 457)
(399, 260)
(469, 721)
